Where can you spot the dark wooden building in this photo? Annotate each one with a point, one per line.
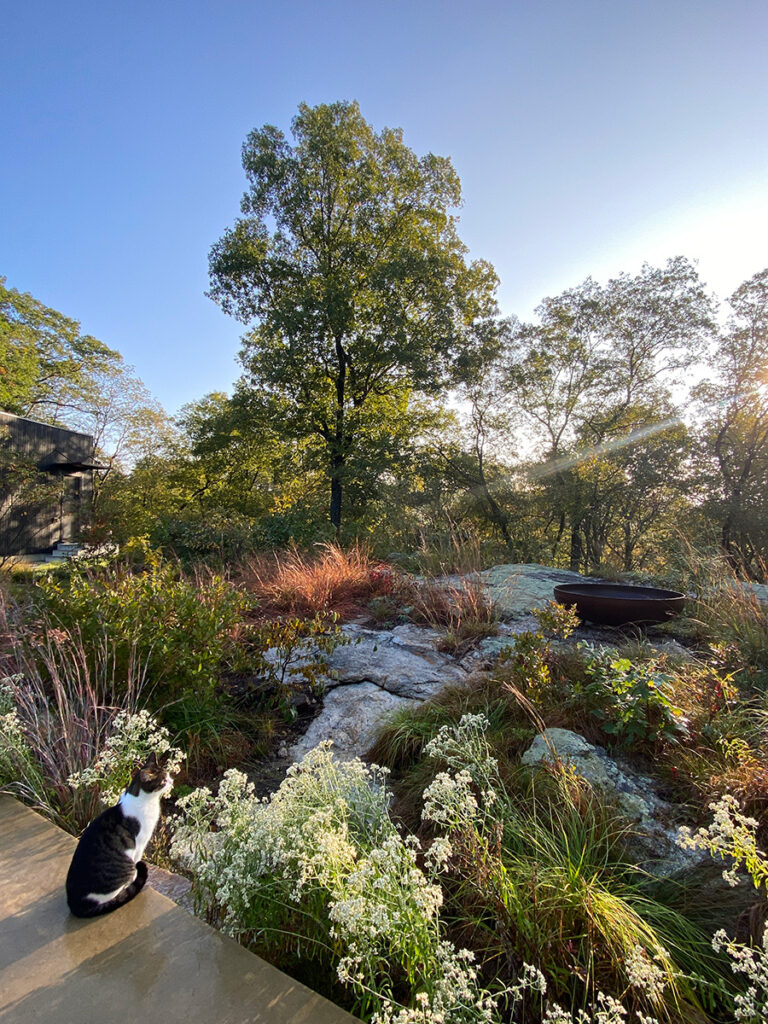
(46, 484)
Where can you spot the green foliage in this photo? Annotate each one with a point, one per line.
(592, 383)
(348, 260)
(634, 703)
(290, 655)
(525, 664)
(178, 629)
(46, 364)
(733, 443)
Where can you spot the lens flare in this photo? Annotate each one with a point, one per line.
(553, 466)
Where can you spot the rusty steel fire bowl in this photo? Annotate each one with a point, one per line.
(616, 604)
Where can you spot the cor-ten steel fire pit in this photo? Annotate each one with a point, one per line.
(615, 604)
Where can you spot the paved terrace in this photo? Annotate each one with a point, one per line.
(148, 962)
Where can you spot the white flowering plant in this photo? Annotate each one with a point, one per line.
(321, 866)
(550, 871)
(133, 737)
(732, 836)
(20, 774)
(320, 870)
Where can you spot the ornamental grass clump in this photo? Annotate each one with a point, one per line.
(68, 753)
(729, 614)
(320, 868)
(60, 700)
(331, 579)
(543, 875)
(20, 775)
(463, 610)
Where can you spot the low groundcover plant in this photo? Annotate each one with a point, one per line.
(320, 870)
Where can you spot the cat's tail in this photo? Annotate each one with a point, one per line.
(89, 908)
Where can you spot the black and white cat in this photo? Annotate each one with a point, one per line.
(107, 870)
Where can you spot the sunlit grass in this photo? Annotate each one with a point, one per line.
(329, 578)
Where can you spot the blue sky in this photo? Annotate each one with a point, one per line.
(589, 136)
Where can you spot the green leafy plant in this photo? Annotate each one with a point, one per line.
(180, 629)
(527, 659)
(291, 655)
(632, 702)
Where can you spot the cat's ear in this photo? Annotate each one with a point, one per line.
(151, 761)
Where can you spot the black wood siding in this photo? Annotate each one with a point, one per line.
(34, 530)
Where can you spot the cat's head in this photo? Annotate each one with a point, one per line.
(152, 777)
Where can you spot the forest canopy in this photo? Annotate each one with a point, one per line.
(384, 396)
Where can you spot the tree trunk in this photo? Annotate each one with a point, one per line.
(576, 547)
(337, 467)
(726, 541)
(559, 537)
(497, 516)
(338, 447)
(629, 549)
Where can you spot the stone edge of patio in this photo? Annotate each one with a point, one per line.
(149, 961)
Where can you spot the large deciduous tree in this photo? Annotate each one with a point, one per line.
(594, 380)
(734, 405)
(347, 263)
(49, 369)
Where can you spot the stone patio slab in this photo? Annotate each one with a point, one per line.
(149, 961)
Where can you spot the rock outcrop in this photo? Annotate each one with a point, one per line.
(352, 716)
(368, 679)
(655, 838)
(403, 661)
(517, 589)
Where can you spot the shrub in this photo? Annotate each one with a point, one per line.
(291, 655)
(321, 866)
(179, 629)
(132, 738)
(634, 703)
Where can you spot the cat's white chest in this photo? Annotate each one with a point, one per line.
(146, 810)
